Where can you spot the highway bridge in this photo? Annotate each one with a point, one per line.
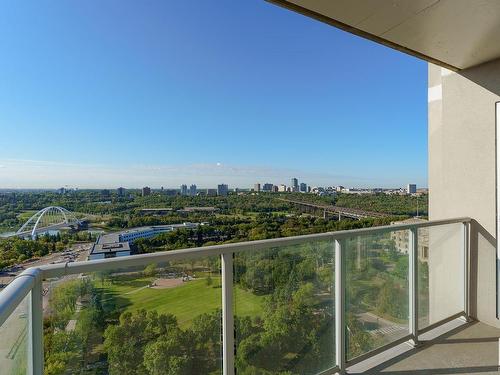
(352, 213)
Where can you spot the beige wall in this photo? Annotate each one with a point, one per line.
(462, 171)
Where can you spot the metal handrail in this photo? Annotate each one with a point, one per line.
(57, 270)
(31, 280)
(14, 293)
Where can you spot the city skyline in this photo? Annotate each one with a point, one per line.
(113, 102)
(171, 177)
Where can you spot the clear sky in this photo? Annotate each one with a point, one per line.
(107, 93)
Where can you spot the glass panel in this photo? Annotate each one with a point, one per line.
(14, 341)
(376, 290)
(440, 273)
(284, 309)
(160, 319)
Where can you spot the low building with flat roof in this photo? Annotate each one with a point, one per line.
(109, 250)
(117, 244)
(155, 211)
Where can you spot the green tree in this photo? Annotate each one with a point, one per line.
(150, 270)
(167, 355)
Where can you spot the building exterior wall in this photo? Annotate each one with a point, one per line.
(112, 254)
(401, 239)
(95, 256)
(462, 176)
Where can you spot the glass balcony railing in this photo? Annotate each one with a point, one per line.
(312, 304)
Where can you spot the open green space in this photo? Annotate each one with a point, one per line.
(186, 301)
(25, 215)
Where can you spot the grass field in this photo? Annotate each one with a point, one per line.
(25, 215)
(185, 302)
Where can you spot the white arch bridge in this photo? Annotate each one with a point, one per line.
(48, 218)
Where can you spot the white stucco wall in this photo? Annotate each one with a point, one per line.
(462, 173)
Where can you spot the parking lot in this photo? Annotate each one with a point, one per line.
(77, 252)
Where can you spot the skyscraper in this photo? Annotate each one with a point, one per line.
(184, 189)
(120, 191)
(267, 187)
(211, 192)
(146, 190)
(295, 184)
(411, 188)
(303, 187)
(256, 187)
(222, 190)
(192, 190)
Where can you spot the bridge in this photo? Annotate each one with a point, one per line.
(352, 213)
(48, 218)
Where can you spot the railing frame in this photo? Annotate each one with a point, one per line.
(227, 314)
(30, 282)
(340, 324)
(467, 268)
(35, 346)
(413, 285)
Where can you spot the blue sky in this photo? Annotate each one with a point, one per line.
(114, 92)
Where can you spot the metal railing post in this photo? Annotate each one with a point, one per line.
(413, 284)
(227, 314)
(35, 327)
(466, 249)
(340, 324)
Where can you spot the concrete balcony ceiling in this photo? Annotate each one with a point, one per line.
(456, 34)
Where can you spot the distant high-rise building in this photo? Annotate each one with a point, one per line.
(62, 190)
(282, 188)
(146, 190)
(267, 187)
(411, 188)
(256, 187)
(303, 187)
(275, 189)
(192, 190)
(295, 184)
(222, 190)
(211, 192)
(120, 191)
(105, 193)
(184, 189)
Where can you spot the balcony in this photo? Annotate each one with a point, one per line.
(392, 299)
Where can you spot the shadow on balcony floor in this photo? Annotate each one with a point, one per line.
(467, 349)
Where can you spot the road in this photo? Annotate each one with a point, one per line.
(390, 330)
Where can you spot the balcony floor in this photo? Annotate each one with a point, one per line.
(467, 349)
